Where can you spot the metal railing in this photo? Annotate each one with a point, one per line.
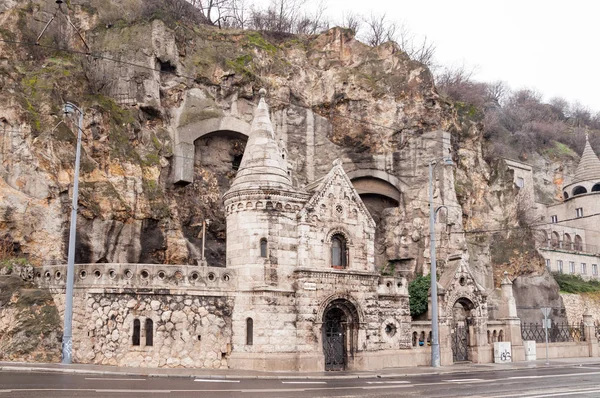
(557, 333)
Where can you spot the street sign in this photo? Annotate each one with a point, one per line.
(546, 311)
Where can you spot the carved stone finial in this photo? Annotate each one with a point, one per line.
(337, 162)
(262, 92)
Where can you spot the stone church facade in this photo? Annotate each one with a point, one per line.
(300, 289)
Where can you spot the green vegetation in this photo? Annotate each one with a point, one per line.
(576, 284)
(255, 39)
(560, 151)
(418, 290)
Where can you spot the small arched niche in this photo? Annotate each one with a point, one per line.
(596, 187)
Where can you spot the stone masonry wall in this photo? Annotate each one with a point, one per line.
(578, 304)
(188, 330)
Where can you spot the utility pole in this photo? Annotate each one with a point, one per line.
(435, 343)
(67, 342)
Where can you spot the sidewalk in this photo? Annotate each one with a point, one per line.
(248, 374)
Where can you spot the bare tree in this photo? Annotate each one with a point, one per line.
(351, 21)
(379, 30)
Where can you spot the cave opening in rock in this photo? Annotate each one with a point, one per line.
(379, 196)
(166, 66)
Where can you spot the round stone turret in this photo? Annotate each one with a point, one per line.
(263, 165)
(587, 175)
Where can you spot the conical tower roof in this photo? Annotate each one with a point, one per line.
(589, 165)
(263, 165)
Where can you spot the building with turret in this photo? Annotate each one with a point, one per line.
(300, 289)
(570, 239)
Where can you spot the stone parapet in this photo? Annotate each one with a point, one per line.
(139, 277)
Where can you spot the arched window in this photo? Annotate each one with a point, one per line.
(415, 338)
(565, 195)
(135, 339)
(149, 331)
(578, 243)
(554, 239)
(339, 256)
(567, 242)
(263, 247)
(249, 331)
(596, 188)
(501, 336)
(579, 190)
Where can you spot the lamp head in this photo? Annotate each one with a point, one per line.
(447, 162)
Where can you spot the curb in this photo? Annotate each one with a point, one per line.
(72, 370)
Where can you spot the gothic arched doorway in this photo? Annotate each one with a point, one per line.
(340, 333)
(461, 320)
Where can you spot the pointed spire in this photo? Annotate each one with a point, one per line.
(589, 164)
(263, 164)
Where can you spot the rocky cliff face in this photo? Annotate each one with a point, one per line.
(152, 87)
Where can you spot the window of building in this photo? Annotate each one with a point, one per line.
(149, 332)
(249, 331)
(135, 339)
(583, 269)
(578, 243)
(594, 269)
(338, 251)
(263, 247)
(548, 264)
(520, 182)
(554, 219)
(571, 267)
(559, 266)
(579, 212)
(554, 239)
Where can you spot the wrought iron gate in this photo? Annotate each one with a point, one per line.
(334, 343)
(460, 344)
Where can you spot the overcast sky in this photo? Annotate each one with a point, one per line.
(551, 46)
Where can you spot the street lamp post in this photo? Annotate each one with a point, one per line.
(435, 344)
(205, 223)
(67, 343)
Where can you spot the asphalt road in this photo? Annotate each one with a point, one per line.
(569, 381)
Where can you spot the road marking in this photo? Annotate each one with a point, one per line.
(133, 391)
(388, 382)
(216, 381)
(548, 393)
(303, 382)
(465, 381)
(562, 394)
(524, 377)
(109, 379)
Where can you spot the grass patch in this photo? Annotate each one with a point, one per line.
(576, 284)
(560, 151)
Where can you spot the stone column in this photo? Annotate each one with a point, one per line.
(508, 313)
(590, 333)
